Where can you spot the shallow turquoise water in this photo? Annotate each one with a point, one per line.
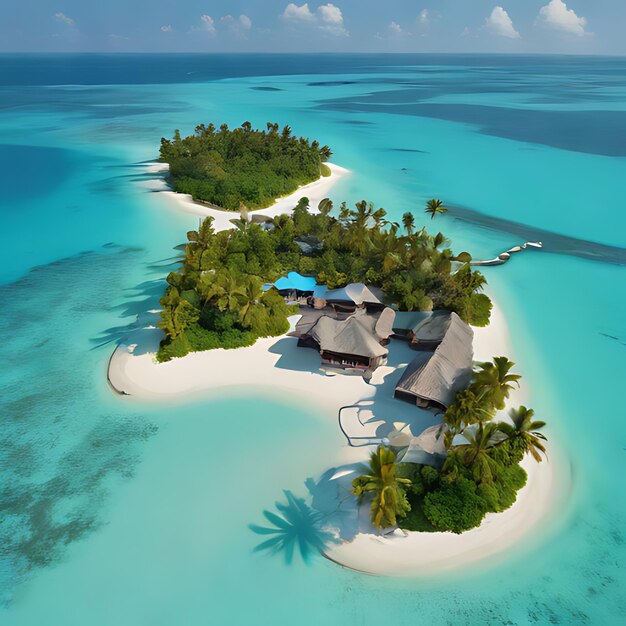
(122, 512)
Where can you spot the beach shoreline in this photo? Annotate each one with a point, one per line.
(315, 192)
(278, 366)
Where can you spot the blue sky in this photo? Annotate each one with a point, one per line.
(518, 26)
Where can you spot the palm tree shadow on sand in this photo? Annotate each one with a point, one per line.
(296, 525)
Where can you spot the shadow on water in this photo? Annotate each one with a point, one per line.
(296, 525)
(138, 303)
(328, 516)
(554, 243)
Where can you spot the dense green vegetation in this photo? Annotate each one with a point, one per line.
(215, 298)
(480, 475)
(416, 270)
(228, 167)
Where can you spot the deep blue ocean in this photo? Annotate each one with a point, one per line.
(115, 511)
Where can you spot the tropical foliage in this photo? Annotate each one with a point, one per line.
(215, 299)
(416, 270)
(435, 207)
(523, 433)
(227, 167)
(388, 490)
(481, 472)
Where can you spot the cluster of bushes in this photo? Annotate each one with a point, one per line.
(440, 503)
(215, 299)
(481, 473)
(416, 270)
(227, 167)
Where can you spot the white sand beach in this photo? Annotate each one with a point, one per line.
(368, 413)
(315, 192)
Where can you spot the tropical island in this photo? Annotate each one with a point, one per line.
(394, 310)
(216, 298)
(226, 168)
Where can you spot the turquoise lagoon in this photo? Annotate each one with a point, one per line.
(116, 511)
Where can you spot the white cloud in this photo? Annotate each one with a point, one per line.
(501, 24)
(327, 17)
(61, 17)
(394, 27)
(237, 25)
(556, 15)
(119, 37)
(208, 24)
(167, 28)
(296, 13)
(425, 19)
(330, 14)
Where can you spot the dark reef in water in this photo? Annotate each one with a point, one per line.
(414, 150)
(266, 89)
(552, 242)
(62, 445)
(331, 83)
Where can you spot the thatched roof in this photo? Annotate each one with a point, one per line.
(432, 330)
(438, 376)
(359, 335)
(355, 292)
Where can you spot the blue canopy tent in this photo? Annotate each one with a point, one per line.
(294, 282)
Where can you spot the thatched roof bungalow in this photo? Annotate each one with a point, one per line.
(433, 379)
(355, 295)
(428, 333)
(354, 343)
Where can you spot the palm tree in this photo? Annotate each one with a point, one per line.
(177, 314)
(358, 229)
(379, 217)
(493, 382)
(435, 206)
(227, 291)
(388, 248)
(199, 242)
(389, 491)
(453, 465)
(325, 153)
(467, 409)
(524, 432)
(475, 454)
(252, 291)
(408, 221)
